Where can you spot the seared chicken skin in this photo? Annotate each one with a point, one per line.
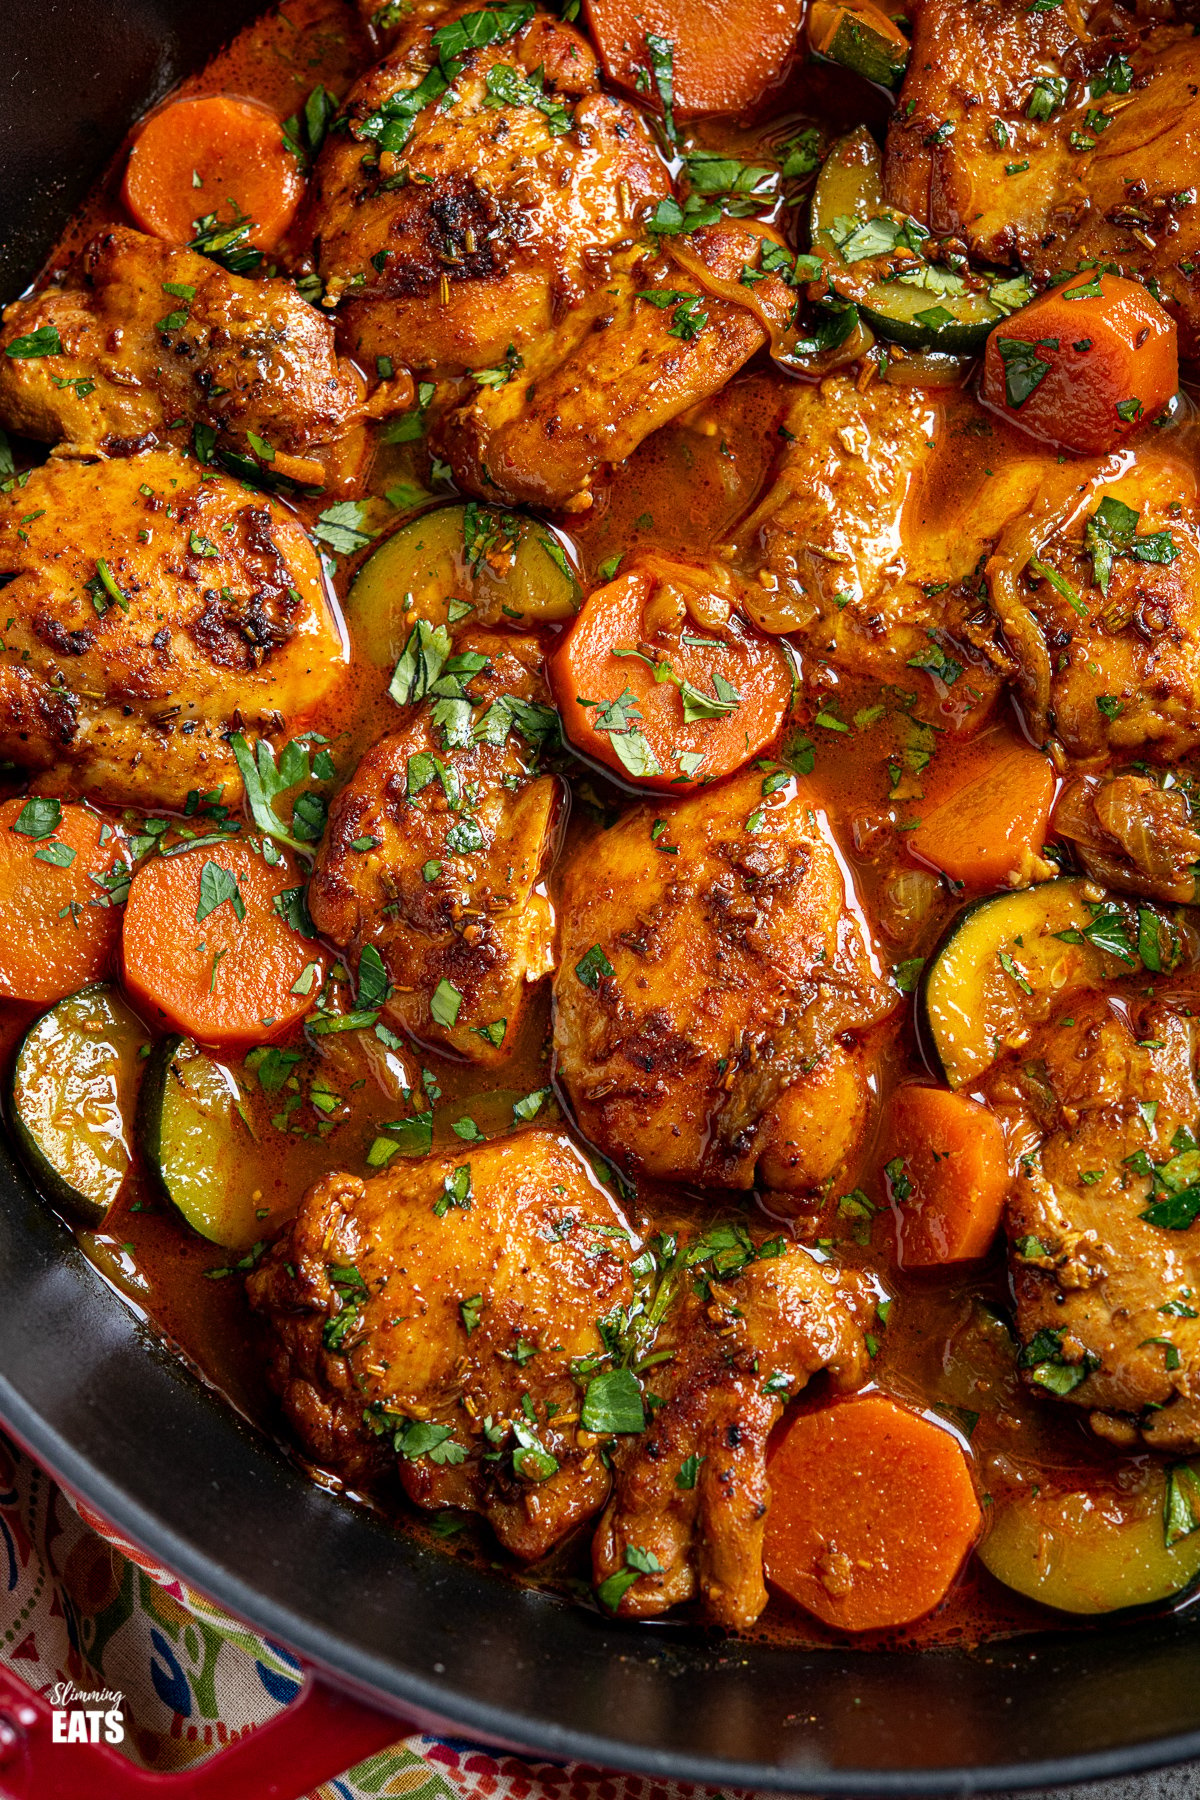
(1105, 1295)
(452, 229)
(701, 996)
(665, 331)
(1056, 137)
(152, 608)
(448, 1299)
(434, 853)
(862, 547)
(690, 1494)
(155, 338)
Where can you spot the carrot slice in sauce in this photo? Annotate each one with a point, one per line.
(947, 1170)
(993, 815)
(58, 926)
(1085, 365)
(208, 951)
(872, 1513)
(216, 154)
(718, 57)
(660, 700)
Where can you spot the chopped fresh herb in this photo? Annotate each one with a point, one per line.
(662, 68)
(1181, 1505)
(689, 1470)
(1047, 95)
(38, 818)
(266, 779)
(218, 885)
(444, 1004)
(507, 86)
(613, 1402)
(1112, 531)
(1024, 369)
(638, 1562)
(456, 1191)
(343, 527)
(593, 966)
(45, 341)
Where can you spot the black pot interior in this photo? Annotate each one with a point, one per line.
(91, 1390)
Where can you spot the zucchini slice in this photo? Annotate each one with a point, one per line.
(194, 1135)
(914, 302)
(861, 38)
(457, 564)
(1085, 1552)
(73, 1097)
(1004, 965)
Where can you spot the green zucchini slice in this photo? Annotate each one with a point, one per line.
(1007, 962)
(194, 1136)
(469, 564)
(916, 303)
(1085, 1552)
(73, 1099)
(861, 38)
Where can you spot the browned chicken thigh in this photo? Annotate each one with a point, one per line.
(667, 329)
(436, 849)
(690, 1494)
(1105, 1269)
(428, 1320)
(1097, 588)
(712, 967)
(1056, 136)
(152, 607)
(149, 338)
(477, 190)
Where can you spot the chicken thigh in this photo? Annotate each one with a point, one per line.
(1097, 588)
(428, 1321)
(748, 1328)
(149, 339)
(712, 964)
(151, 608)
(436, 848)
(1106, 1267)
(1056, 136)
(667, 329)
(868, 547)
(480, 183)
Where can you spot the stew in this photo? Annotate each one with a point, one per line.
(599, 851)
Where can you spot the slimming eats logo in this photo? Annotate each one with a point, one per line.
(86, 1715)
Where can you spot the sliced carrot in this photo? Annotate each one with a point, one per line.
(216, 154)
(59, 928)
(659, 699)
(722, 54)
(947, 1169)
(872, 1513)
(1085, 365)
(224, 979)
(988, 816)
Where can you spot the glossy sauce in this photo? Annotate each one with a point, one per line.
(686, 489)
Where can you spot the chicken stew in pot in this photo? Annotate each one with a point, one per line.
(600, 715)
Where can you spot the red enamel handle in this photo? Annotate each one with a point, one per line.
(320, 1734)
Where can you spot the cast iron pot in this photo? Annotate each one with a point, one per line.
(90, 1390)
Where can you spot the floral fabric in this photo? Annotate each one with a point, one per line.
(80, 1604)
